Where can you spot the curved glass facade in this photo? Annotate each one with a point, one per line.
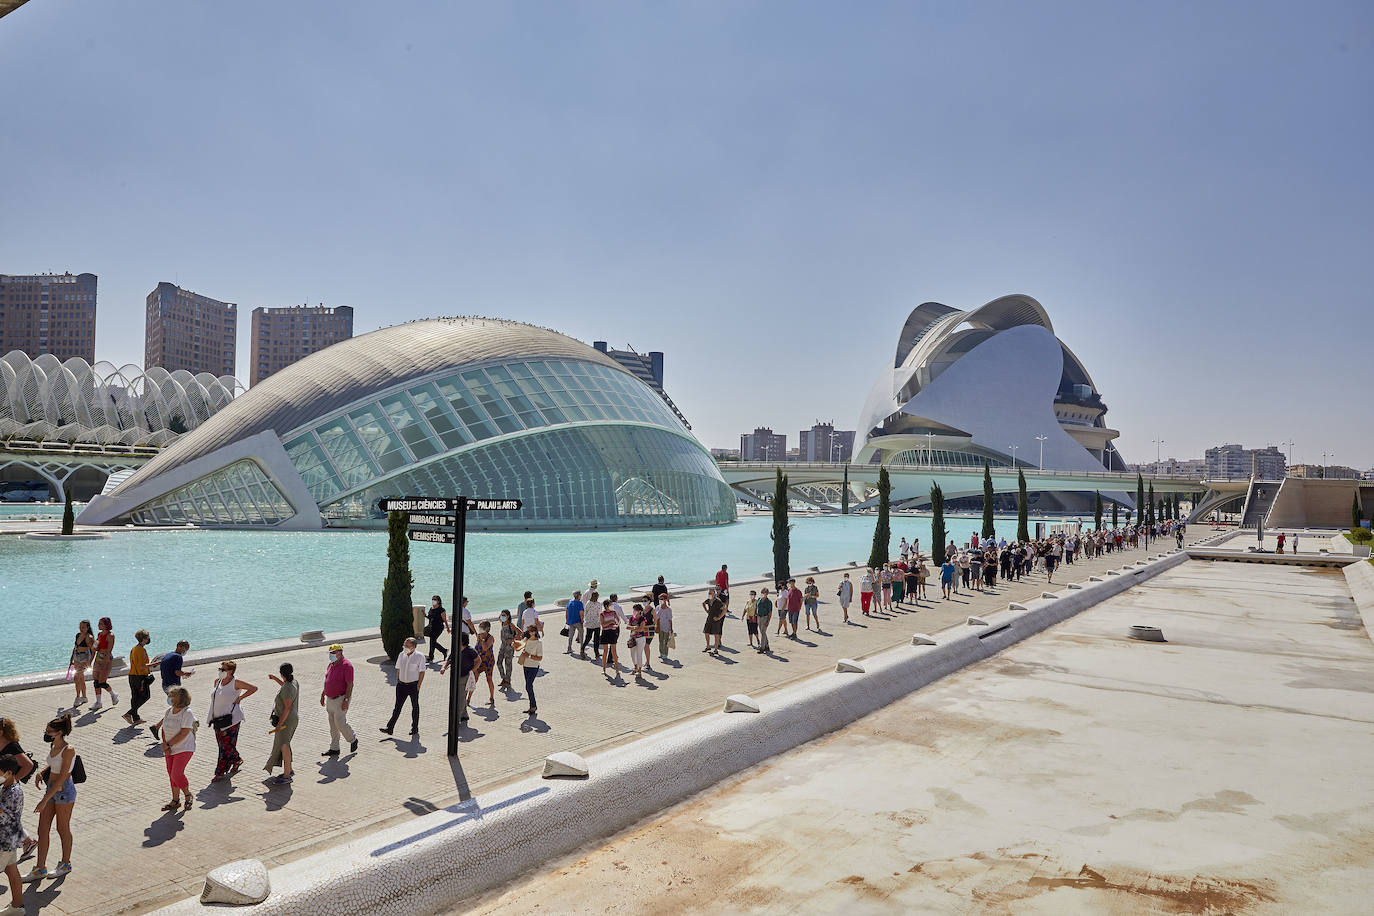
(372, 441)
(588, 475)
(237, 495)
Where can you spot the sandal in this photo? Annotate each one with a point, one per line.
(187, 806)
(171, 807)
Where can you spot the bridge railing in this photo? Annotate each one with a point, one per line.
(955, 468)
(49, 446)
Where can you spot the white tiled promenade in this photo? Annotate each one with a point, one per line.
(130, 857)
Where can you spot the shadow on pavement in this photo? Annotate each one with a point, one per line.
(163, 829)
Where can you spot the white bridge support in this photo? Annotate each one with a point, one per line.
(57, 465)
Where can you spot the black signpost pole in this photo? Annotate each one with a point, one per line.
(455, 686)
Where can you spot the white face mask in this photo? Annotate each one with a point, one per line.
(334, 656)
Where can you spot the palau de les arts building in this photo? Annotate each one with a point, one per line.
(441, 407)
(965, 386)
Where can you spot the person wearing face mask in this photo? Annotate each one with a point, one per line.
(337, 692)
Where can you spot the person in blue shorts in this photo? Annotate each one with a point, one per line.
(946, 576)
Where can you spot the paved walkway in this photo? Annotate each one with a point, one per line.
(129, 857)
(1076, 772)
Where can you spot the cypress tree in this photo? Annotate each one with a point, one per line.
(882, 534)
(1355, 517)
(1097, 509)
(1022, 510)
(1139, 498)
(1116, 523)
(397, 620)
(938, 535)
(782, 531)
(989, 528)
(1150, 506)
(844, 493)
(69, 517)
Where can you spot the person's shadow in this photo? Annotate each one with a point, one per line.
(333, 769)
(163, 829)
(216, 794)
(534, 724)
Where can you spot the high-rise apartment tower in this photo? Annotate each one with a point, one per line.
(185, 330)
(282, 336)
(48, 313)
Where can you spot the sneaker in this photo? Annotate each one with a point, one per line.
(63, 868)
(96, 706)
(114, 698)
(353, 746)
(281, 780)
(38, 874)
(332, 752)
(384, 731)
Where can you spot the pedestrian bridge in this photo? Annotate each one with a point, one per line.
(61, 464)
(912, 483)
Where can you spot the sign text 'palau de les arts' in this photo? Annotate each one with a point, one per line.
(422, 510)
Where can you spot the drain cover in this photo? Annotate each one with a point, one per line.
(1149, 634)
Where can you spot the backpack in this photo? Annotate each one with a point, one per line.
(78, 770)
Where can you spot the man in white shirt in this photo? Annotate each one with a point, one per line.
(530, 617)
(410, 674)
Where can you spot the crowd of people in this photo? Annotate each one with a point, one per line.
(486, 650)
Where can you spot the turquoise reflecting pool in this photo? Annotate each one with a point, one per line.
(219, 588)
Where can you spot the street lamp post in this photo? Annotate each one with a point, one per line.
(1042, 451)
(1158, 443)
(930, 444)
(1013, 455)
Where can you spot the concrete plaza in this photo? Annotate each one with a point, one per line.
(130, 857)
(1076, 772)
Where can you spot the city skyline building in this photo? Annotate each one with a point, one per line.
(823, 442)
(190, 331)
(1173, 467)
(647, 367)
(436, 407)
(1323, 472)
(1233, 461)
(48, 313)
(281, 336)
(763, 445)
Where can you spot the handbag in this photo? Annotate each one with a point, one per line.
(78, 770)
(220, 723)
(276, 720)
(563, 632)
(672, 641)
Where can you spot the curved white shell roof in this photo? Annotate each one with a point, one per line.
(73, 401)
(350, 370)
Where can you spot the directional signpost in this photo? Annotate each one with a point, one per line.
(453, 528)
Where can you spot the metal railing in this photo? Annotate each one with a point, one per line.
(957, 468)
(78, 448)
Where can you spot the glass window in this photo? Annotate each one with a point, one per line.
(384, 447)
(428, 401)
(405, 420)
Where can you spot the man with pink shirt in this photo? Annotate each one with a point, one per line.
(723, 587)
(338, 690)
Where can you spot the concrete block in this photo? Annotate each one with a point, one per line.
(1146, 633)
(813, 569)
(564, 764)
(923, 639)
(312, 636)
(738, 702)
(849, 666)
(977, 622)
(1075, 585)
(241, 883)
(1015, 606)
(1094, 578)
(1048, 595)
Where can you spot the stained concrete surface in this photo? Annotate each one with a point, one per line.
(1224, 771)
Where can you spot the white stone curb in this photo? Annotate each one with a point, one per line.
(436, 861)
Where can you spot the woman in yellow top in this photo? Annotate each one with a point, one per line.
(140, 681)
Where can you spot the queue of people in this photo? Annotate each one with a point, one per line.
(489, 650)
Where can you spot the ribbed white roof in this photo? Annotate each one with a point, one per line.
(352, 369)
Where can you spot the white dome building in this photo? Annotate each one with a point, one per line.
(442, 407)
(966, 386)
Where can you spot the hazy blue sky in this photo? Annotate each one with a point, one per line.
(762, 190)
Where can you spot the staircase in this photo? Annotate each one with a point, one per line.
(1258, 501)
